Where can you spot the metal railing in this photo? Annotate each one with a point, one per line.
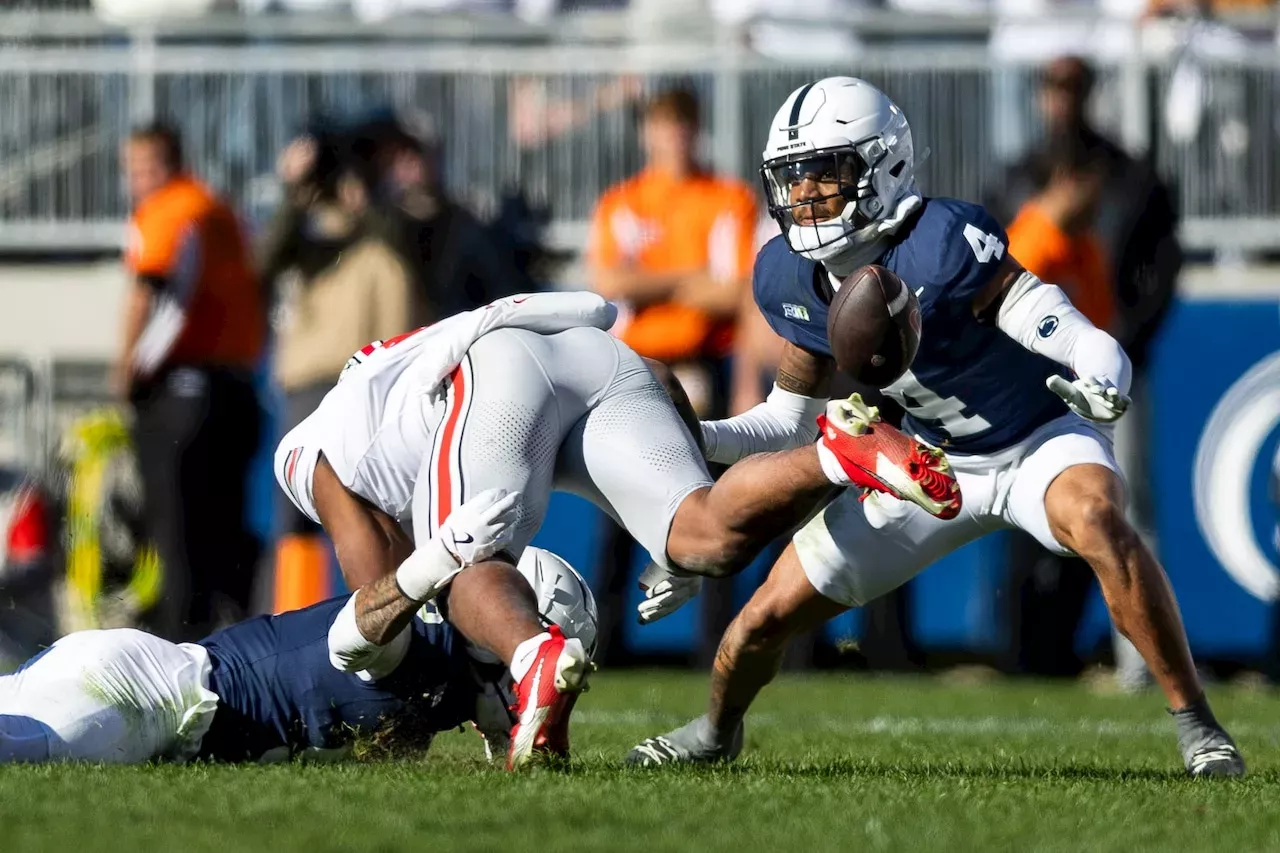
(561, 123)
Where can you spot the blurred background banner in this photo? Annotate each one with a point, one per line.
(423, 156)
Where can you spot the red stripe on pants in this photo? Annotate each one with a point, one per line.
(444, 479)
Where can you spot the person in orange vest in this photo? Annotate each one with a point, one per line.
(194, 329)
(1053, 235)
(674, 246)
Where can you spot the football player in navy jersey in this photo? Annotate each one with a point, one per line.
(1010, 380)
(275, 687)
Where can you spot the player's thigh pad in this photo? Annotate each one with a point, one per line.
(1066, 442)
(856, 551)
(119, 696)
(501, 427)
(633, 457)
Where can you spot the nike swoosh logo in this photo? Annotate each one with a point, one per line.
(467, 541)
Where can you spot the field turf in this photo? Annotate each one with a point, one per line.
(833, 762)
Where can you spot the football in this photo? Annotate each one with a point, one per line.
(874, 326)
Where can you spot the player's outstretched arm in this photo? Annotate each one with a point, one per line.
(1041, 318)
(785, 420)
(378, 613)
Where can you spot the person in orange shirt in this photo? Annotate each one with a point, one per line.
(1053, 237)
(674, 245)
(194, 331)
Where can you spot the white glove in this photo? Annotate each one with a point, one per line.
(664, 592)
(474, 532)
(481, 527)
(1096, 398)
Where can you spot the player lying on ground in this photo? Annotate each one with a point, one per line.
(265, 689)
(527, 395)
(838, 172)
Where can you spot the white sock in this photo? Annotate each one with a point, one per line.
(831, 466)
(526, 654)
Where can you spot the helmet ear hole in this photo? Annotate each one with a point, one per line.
(897, 168)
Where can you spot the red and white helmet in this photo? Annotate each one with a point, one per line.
(845, 130)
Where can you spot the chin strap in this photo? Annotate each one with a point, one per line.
(862, 253)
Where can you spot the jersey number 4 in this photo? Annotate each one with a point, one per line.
(985, 246)
(926, 405)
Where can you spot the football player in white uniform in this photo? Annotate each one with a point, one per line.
(267, 689)
(523, 395)
(1000, 354)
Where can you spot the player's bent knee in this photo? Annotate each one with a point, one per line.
(705, 548)
(1096, 527)
(764, 625)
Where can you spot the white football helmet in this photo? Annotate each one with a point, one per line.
(564, 598)
(845, 131)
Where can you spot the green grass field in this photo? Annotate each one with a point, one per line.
(833, 762)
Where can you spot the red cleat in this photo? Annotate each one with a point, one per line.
(880, 458)
(545, 698)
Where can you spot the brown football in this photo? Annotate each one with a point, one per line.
(874, 326)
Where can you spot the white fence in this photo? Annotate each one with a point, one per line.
(559, 121)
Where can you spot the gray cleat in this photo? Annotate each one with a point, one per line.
(1207, 750)
(697, 742)
(1219, 759)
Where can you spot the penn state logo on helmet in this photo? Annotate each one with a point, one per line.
(1228, 454)
(838, 161)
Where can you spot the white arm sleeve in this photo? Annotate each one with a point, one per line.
(1041, 318)
(782, 422)
(349, 651)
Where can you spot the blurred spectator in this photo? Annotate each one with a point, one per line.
(675, 245)
(344, 286)
(457, 262)
(1137, 221)
(1026, 33)
(194, 328)
(1136, 224)
(1052, 236)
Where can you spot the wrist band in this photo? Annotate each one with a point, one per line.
(426, 571)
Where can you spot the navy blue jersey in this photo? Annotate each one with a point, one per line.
(971, 389)
(276, 687)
